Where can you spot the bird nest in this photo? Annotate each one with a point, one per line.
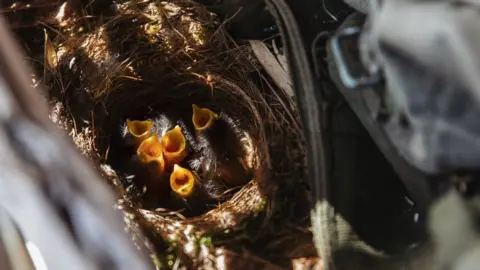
(142, 59)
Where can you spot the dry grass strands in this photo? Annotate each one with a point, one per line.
(151, 61)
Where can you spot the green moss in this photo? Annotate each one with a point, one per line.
(206, 241)
(171, 258)
(156, 261)
(211, 26)
(260, 207)
(170, 242)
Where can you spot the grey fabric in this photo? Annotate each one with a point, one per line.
(454, 243)
(366, 216)
(454, 230)
(436, 34)
(428, 52)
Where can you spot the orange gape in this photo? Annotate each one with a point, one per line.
(140, 130)
(203, 118)
(174, 147)
(182, 181)
(150, 151)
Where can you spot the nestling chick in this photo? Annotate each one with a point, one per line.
(202, 161)
(135, 132)
(187, 189)
(152, 171)
(174, 147)
(168, 121)
(165, 125)
(150, 153)
(221, 153)
(203, 118)
(182, 181)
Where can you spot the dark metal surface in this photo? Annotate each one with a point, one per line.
(367, 104)
(348, 79)
(335, 220)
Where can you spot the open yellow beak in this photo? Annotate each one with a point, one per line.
(140, 130)
(150, 150)
(182, 181)
(203, 118)
(174, 147)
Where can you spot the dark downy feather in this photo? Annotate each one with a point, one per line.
(219, 156)
(198, 202)
(145, 176)
(163, 123)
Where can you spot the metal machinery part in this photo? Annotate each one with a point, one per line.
(417, 91)
(419, 104)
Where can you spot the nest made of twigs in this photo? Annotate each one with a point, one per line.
(143, 57)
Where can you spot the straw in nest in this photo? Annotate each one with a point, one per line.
(141, 59)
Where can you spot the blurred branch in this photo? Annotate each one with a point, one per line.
(54, 196)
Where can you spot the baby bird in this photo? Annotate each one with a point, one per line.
(124, 153)
(150, 154)
(174, 146)
(135, 132)
(175, 132)
(187, 190)
(220, 160)
(151, 170)
(203, 118)
(182, 181)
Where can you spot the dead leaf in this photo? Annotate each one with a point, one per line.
(50, 53)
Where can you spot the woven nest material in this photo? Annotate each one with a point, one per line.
(144, 57)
